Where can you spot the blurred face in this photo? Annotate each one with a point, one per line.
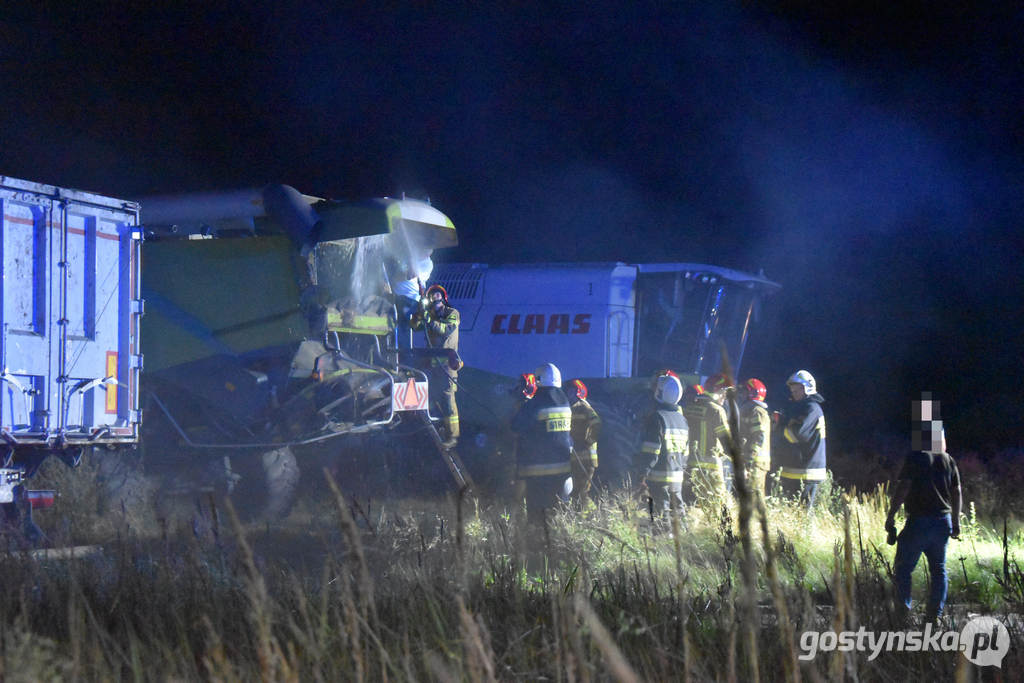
(436, 300)
(796, 391)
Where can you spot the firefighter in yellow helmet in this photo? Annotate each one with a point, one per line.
(585, 429)
(709, 439)
(440, 321)
(755, 434)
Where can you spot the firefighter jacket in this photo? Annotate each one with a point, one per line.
(709, 432)
(545, 444)
(585, 428)
(442, 333)
(804, 444)
(663, 451)
(755, 430)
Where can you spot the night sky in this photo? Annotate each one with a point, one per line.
(868, 159)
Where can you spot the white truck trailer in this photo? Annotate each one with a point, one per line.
(69, 330)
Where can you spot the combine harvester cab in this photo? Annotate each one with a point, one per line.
(270, 328)
(70, 333)
(614, 325)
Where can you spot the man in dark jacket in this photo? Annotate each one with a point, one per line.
(662, 459)
(929, 490)
(544, 445)
(803, 452)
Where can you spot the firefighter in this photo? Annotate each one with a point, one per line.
(663, 451)
(441, 323)
(803, 447)
(690, 392)
(709, 439)
(542, 425)
(585, 429)
(755, 433)
(526, 387)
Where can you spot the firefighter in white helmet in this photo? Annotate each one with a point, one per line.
(803, 447)
(661, 462)
(544, 444)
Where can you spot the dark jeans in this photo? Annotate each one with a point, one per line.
(928, 535)
(403, 332)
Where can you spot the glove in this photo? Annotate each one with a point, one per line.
(454, 362)
(890, 531)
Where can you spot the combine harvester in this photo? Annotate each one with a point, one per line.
(269, 329)
(613, 325)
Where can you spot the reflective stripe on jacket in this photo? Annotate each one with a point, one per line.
(755, 429)
(585, 429)
(803, 451)
(542, 423)
(662, 456)
(709, 428)
(442, 333)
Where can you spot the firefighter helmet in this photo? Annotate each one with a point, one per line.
(756, 390)
(576, 390)
(668, 390)
(548, 375)
(717, 383)
(691, 392)
(806, 379)
(437, 288)
(528, 382)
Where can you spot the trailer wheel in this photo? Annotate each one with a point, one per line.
(268, 484)
(120, 480)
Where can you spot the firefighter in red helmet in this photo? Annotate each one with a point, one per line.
(709, 438)
(585, 429)
(440, 321)
(755, 433)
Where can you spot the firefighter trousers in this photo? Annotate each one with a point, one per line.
(442, 391)
(544, 493)
(582, 474)
(706, 481)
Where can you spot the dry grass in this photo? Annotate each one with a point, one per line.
(460, 590)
